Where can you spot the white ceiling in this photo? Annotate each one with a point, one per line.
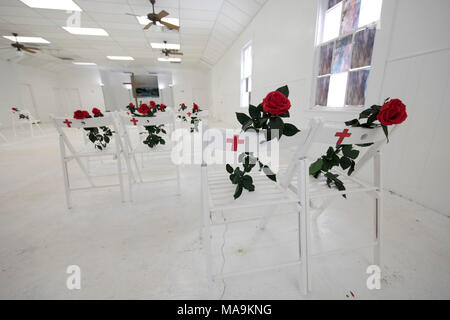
(207, 29)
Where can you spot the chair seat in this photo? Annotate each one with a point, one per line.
(318, 188)
(267, 192)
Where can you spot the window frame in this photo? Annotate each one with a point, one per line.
(322, 8)
(250, 77)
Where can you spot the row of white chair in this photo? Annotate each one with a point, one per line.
(119, 147)
(294, 186)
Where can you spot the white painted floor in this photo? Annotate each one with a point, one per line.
(151, 249)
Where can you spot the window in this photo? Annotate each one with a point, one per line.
(246, 75)
(345, 43)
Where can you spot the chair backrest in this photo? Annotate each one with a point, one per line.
(62, 123)
(228, 144)
(107, 120)
(334, 133)
(166, 117)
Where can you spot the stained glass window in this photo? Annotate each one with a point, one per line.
(345, 51)
(356, 87)
(326, 56)
(341, 59)
(363, 48)
(323, 84)
(350, 15)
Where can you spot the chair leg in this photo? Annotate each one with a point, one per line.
(206, 236)
(66, 185)
(377, 225)
(119, 171)
(31, 130)
(303, 248)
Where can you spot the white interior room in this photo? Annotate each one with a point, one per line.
(147, 227)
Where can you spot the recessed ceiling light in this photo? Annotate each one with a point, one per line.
(120, 58)
(169, 59)
(85, 63)
(27, 39)
(161, 45)
(144, 21)
(87, 31)
(53, 4)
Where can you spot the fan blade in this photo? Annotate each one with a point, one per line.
(178, 53)
(148, 26)
(162, 14)
(132, 14)
(28, 50)
(169, 25)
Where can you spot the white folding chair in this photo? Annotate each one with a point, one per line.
(28, 120)
(127, 122)
(63, 124)
(311, 189)
(217, 196)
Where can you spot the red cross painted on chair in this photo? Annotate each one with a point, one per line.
(134, 121)
(68, 123)
(235, 141)
(342, 136)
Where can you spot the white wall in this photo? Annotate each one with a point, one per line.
(411, 62)
(189, 85)
(192, 85)
(13, 77)
(51, 93)
(84, 81)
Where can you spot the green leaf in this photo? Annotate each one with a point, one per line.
(253, 112)
(345, 163)
(229, 168)
(316, 167)
(386, 132)
(284, 90)
(372, 118)
(352, 168)
(353, 123)
(365, 114)
(247, 125)
(348, 151)
(290, 130)
(247, 181)
(276, 123)
(238, 191)
(269, 173)
(330, 153)
(242, 118)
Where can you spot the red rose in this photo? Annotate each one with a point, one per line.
(152, 104)
(96, 112)
(189, 114)
(15, 109)
(80, 114)
(276, 103)
(144, 109)
(392, 112)
(195, 108)
(131, 104)
(162, 106)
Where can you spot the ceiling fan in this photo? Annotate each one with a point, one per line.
(154, 18)
(19, 47)
(168, 52)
